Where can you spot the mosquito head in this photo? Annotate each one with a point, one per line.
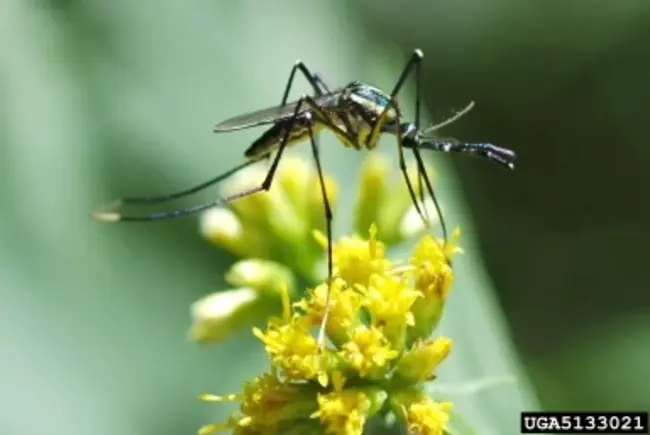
(408, 131)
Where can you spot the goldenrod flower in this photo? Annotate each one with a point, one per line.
(344, 411)
(292, 349)
(428, 417)
(434, 276)
(265, 404)
(421, 414)
(368, 352)
(434, 270)
(344, 309)
(379, 354)
(355, 259)
(389, 300)
(371, 358)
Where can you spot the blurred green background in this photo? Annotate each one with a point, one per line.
(105, 99)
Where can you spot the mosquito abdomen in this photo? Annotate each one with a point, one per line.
(272, 138)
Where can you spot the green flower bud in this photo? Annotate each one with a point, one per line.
(420, 362)
(264, 276)
(216, 316)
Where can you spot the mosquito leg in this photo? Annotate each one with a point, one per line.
(318, 77)
(109, 212)
(318, 84)
(444, 123)
(315, 81)
(328, 222)
(322, 117)
(112, 216)
(422, 172)
(113, 206)
(321, 81)
(414, 61)
(421, 191)
(418, 80)
(402, 167)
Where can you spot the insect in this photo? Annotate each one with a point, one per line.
(357, 114)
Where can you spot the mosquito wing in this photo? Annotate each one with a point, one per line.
(272, 115)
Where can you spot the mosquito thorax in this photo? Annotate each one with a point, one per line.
(373, 99)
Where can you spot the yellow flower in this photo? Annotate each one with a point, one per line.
(265, 403)
(344, 411)
(433, 277)
(293, 350)
(427, 417)
(291, 347)
(434, 272)
(344, 309)
(369, 352)
(268, 401)
(389, 300)
(356, 259)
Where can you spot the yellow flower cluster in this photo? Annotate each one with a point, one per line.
(271, 233)
(379, 353)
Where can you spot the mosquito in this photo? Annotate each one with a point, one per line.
(358, 114)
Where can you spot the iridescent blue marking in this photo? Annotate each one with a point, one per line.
(380, 98)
